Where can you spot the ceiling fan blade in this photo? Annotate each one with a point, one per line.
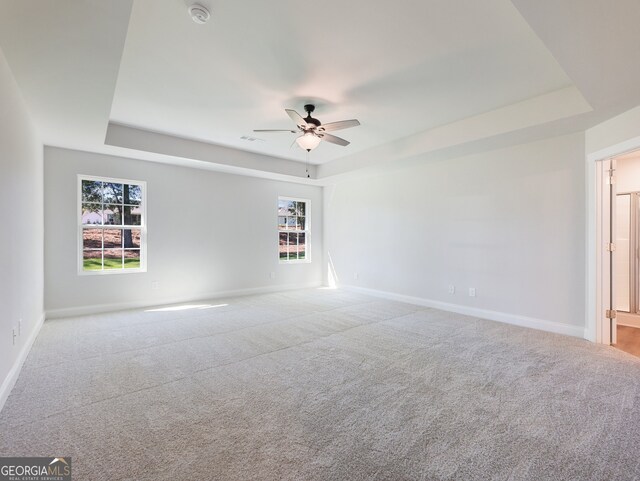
(271, 130)
(297, 119)
(333, 139)
(342, 124)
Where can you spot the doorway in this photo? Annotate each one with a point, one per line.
(619, 226)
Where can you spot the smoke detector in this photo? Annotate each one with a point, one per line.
(199, 14)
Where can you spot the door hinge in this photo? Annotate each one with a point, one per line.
(611, 247)
(610, 314)
(611, 178)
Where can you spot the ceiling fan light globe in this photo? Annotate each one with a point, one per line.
(308, 141)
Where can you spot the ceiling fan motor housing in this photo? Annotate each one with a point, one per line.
(309, 108)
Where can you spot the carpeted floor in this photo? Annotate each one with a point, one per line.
(322, 385)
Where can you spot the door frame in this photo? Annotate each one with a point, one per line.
(597, 324)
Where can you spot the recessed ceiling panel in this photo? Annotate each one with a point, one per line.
(399, 67)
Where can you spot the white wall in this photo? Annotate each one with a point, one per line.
(622, 253)
(208, 233)
(21, 235)
(510, 223)
(628, 174)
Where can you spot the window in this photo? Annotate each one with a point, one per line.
(293, 230)
(111, 226)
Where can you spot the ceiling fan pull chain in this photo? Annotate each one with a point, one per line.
(307, 167)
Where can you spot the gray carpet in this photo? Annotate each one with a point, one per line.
(322, 385)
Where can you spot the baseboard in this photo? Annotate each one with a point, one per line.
(517, 320)
(126, 306)
(589, 335)
(12, 376)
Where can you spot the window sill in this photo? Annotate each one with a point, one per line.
(111, 272)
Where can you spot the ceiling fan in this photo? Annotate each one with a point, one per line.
(313, 131)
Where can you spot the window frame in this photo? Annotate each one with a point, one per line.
(143, 227)
(306, 231)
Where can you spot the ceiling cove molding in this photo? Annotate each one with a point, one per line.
(494, 129)
(198, 154)
(544, 109)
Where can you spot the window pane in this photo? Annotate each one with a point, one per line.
(132, 215)
(293, 246)
(300, 208)
(132, 194)
(301, 223)
(113, 259)
(292, 223)
(283, 243)
(92, 238)
(302, 246)
(112, 193)
(131, 238)
(92, 260)
(132, 258)
(112, 214)
(289, 207)
(282, 223)
(92, 191)
(112, 238)
(91, 213)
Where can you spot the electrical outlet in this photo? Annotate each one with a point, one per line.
(452, 289)
(155, 285)
(472, 292)
(355, 276)
(272, 275)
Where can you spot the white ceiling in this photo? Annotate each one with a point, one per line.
(140, 79)
(399, 67)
